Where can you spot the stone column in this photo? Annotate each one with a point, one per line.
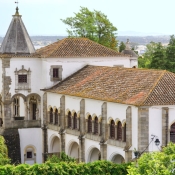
(78, 124)
(105, 133)
(103, 150)
(165, 128)
(99, 128)
(122, 133)
(72, 122)
(92, 126)
(83, 129)
(26, 111)
(53, 117)
(128, 153)
(143, 128)
(109, 131)
(45, 108)
(63, 123)
(45, 144)
(115, 132)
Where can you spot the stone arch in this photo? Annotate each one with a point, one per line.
(19, 95)
(78, 114)
(94, 154)
(123, 122)
(109, 120)
(30, 146)
(117, 120)
(49, 107)
(73, 149)
(34, 94)
(172, 122)
(59, 110)
(54, 108)
(55, 144)
(99, 118)
(172, 132)
(116, 158)
(73, 112)
(87, 115)
(93, 116)
(30, 153)
(67, 111)
(18, 105)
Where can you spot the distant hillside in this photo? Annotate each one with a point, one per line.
(135, 40)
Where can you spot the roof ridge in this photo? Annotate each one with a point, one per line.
(155, 84)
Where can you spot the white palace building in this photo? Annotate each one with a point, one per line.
(82, 98)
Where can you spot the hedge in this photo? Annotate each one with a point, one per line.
(64, 168)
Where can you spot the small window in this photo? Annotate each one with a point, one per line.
(22, 78)
(29, 155)
(55, 73)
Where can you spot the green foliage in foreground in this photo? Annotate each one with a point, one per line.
(158, 163)
(3, 152)
(63, 158)
(64, 168)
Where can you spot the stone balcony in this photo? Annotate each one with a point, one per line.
(26, 124)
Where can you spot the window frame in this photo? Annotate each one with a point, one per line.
(52, 75)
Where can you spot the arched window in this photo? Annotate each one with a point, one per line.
(69, 120)
(112, 129)
(119, 131)
(89, 124)
(172, 133)
(96, 125)
(56, 117)
(16, 106)
(51, 115)
(124, 134)
(75, 120)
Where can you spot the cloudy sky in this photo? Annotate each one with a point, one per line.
(42, 17)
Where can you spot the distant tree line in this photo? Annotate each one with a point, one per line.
(158, 56)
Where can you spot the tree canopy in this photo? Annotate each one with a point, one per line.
(3, 152)
(155, 163)
(93, 25)
(122, 46)
(158, 56)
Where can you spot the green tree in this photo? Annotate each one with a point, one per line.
(159, 163)
(93, 25)
(170, 54)
(122, 46)
(158, 59)
(3, 152)
(145, 60)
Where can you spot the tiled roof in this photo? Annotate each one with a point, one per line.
(121, 85)
(77, 47)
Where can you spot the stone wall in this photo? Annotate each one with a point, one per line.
(143, 128)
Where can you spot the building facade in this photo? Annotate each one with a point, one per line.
(82, 98)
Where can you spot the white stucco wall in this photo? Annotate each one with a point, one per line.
(51, 134)
(116, 111)
(89, 145)
(113, 150)
(31, 137)
(69, 140)
(35, 67)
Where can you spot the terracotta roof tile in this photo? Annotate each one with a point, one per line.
(77, 47)
(20, 55)
(120, 85)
